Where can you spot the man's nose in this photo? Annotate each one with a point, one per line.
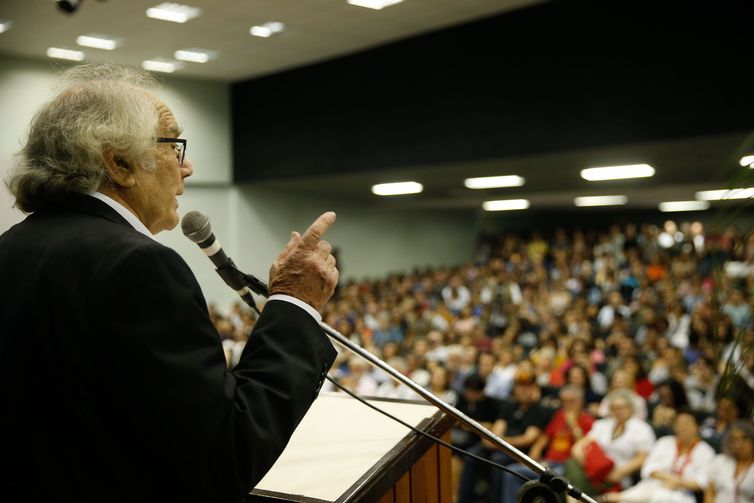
(187, 169)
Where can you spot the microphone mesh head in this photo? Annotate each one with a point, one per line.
(195, 226)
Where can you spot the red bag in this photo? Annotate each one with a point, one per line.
(596, 463)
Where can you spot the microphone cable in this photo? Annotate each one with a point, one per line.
(425, 434)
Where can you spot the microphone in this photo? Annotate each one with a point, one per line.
(195, 226)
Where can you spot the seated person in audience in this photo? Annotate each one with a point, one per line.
(500, 380)
(393, 388)
(715, 427)
(359, 379)
(642, 385)
(732, 473)
(623, 437)
(701, 385)
(553, 446)
(676, 467)
(577, 375)
(671, 397)
(479, 407)
(439, 385)
(519, 422)
(569, 425)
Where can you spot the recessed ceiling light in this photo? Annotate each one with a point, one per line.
(195, 55)
(617, 172)
(99, 41)
(397, 188)
(174, 12)
(724, 194)
(161, 65)
(5, 25)
(57, 52)
(493, 182)
(747, 160)
(267, 29)
(600, 200)
(374, 4)
(669, 206)
(506, 205)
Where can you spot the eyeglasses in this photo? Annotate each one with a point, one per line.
(180, 147)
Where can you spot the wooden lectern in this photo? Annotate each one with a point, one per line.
(344, 452)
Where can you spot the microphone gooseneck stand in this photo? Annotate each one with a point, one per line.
(543, 490)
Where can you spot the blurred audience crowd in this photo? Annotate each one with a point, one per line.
(623, 359)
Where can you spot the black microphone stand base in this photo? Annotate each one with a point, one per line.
(535, 491)
(550, 488)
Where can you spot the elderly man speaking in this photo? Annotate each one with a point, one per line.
(113, 380)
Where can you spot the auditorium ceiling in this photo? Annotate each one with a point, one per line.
(315, 30)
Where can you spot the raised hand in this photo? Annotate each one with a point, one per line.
(305, 269)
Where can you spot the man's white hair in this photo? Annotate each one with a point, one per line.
(100, 108)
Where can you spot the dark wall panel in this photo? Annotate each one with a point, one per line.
(556, 76)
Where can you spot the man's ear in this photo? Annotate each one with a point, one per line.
(118, 169)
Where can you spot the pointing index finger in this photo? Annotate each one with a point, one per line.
(316, 230)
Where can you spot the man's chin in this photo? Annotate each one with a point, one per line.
(168, 225)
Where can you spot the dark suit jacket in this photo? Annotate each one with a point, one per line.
(113, 379)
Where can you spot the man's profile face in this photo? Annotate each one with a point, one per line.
(156, 193)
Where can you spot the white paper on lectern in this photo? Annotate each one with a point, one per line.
(337, 442)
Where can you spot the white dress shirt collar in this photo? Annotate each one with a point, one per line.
(122, 211)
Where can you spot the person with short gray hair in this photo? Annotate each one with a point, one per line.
(623, 437)
(113, 377)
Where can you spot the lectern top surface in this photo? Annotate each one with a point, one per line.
(337, 442)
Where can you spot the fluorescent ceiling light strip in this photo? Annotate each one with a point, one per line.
(669, 206)
(506, 205)
(747, 160)
(617, 172)
(493, 182)
(600, 200)
(267, 29)
(174, 12)
(5, 26)
(397, 188)
(57, 52)
(724, 194)
(107, 44)
(374, 4)
(160, 66)
(260, 31)
(193, 56)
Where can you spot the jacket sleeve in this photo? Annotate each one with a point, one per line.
(206, 431)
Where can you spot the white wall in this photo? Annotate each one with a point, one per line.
(24, 86)
(372, 240)
(253, 224)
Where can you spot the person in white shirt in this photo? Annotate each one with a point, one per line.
(500, 380)
(624, 438)
(732, 474)
(676, 467)
(456, 295)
